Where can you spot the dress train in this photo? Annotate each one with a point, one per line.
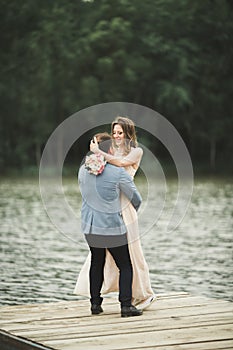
(141, 287)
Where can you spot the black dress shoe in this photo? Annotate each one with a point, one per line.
(96, 309)
(128, 311)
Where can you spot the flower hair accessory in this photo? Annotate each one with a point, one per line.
(95, 163)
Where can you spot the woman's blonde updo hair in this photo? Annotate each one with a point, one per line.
(128, 128)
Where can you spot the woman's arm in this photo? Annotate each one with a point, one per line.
(132, 158)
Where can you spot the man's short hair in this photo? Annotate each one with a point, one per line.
(104, 140)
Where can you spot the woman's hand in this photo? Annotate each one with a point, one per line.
(94, 147)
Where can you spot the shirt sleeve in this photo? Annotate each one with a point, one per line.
(128, 187)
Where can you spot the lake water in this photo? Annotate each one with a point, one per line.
(39, 264)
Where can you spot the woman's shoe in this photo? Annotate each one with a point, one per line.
(144, 304)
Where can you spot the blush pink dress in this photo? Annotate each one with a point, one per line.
(141, 287)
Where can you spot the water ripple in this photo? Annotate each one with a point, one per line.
(41, 265)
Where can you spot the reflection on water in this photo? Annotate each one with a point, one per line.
(39, 264)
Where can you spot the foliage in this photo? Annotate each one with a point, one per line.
(58, 57)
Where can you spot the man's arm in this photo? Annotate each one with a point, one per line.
(128, 187)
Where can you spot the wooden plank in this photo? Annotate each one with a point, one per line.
(110, 322)
(143, 340)
(120, 328)
(148, 315)
(8, 311)
(104, 321)
(61, 304)
(78, 310)
(154, 312)
(209, 345)
(176, 321)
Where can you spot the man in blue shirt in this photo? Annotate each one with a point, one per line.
(104, 227)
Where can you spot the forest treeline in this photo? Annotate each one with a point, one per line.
(58, 57)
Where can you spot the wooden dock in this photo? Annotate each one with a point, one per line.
(174, 321)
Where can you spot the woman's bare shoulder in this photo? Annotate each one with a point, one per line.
(134, 155)
(137, 151)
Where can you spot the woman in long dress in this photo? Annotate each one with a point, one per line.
(125, 154)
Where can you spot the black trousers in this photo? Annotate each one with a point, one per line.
(122, 258)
